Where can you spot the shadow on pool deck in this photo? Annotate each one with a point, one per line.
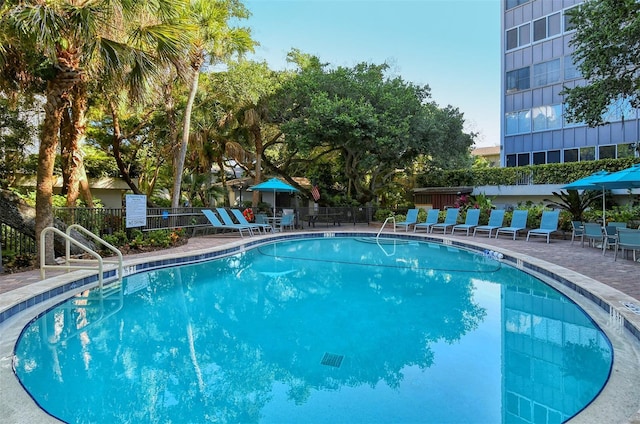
(622, 275)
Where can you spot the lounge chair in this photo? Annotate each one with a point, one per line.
(577, 230)
(411, 219)
(548, 225)
(243, 221)
(495, 221)
(592, 233)
(450, 219)
(627, 239)
(470, 221)
(215, 223)
(518, 223)
(227, 220)
(432, 218)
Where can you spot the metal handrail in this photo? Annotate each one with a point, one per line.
(68, 260)
(84, 231)
(385, 223)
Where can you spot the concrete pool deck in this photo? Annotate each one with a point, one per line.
(615, 283)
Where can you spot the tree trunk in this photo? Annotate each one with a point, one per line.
(181, 154)
(65, 150)
(257, 138)
(78, 183)
(54, 107)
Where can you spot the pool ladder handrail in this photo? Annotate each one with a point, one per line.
(68, 259)
(393, 218)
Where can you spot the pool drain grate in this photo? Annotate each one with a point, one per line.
(332, 360)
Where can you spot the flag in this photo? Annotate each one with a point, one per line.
(315, 192)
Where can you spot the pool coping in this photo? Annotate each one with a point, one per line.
(604, 303)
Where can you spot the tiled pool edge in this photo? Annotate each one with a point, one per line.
(599, 293)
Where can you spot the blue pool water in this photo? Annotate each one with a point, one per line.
(319, 330)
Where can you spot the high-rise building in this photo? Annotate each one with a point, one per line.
(536, 65)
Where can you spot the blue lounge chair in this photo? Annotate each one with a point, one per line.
(495, 221)
(227, 220)
(627, 239)
(215, 223)
(432, 218)
(548, 225)
(518, 223)
(242, 220)
(470, 221)
(411, 219)
(450, 219)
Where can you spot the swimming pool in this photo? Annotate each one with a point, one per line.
(320, 329)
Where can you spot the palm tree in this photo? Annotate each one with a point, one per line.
(219, 42)
(83, 40)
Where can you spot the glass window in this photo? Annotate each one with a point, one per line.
(524, 121)
(607, 152)
(518, 122)
(571, 70)
(547, 117)
(553, 25)
(523, 159)
(571, 155)
(512, 38)
(627, 150)
(553, 156)
(540, 29)
(513, 3)
(539, 158)
(511, 123)
(568, 24)
(567, 123)
(511, 161)
(518, 79)
(618, 109)
(587, 153)
(546, 73)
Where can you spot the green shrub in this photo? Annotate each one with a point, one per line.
(382, 214)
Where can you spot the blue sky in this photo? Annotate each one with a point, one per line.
(451, 45)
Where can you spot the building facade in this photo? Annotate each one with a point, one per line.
(536, 65)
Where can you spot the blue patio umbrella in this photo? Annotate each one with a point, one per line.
(592, 182)
(276, 186)
(624, 179)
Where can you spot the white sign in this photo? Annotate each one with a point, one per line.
(136, 205)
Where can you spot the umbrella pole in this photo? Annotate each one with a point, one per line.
(604, 210)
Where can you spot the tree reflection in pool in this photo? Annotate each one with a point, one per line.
(319, 330)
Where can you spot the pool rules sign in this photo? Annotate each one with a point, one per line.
(136, 210)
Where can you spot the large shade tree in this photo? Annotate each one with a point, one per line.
(373, 125)
(75, 39)
(607, 53)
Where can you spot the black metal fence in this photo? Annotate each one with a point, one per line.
(13, 242)
(103, 221)
(106, 221)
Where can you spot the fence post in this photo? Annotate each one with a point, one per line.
(1, 269)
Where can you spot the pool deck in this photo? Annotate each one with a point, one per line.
(588, 268)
